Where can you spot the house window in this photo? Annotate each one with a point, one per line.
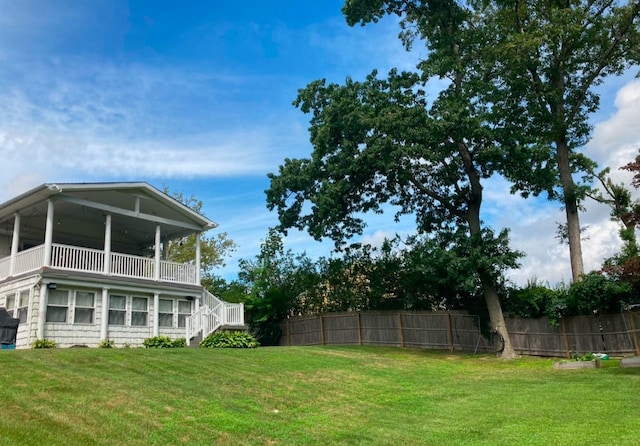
(139, 311)
(85, 308)
(165, 313)
(10, 305)
(184, 310)
(117, 309)
(57, 306)
(23, 306)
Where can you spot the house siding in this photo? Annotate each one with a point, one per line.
(27, 331)
(69, 334)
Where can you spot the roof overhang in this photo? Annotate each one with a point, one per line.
(80, 210)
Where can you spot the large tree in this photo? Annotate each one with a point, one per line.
(380, 144)
(549, 56)
(544, 60)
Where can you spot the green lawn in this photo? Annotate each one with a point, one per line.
(309, 395)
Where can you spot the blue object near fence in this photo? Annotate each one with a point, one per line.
(7, 346)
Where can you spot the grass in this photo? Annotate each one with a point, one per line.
(309, 395)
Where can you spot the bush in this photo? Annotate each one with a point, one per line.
(107, 343)
(180, 343)
(536, 300)
(44, 343)
(235, 339)
(598, 293)
(164, 342)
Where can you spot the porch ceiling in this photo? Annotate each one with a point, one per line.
(80, 214)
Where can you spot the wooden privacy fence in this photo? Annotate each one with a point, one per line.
(616, 335)
(453, 331)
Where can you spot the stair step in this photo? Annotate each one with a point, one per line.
(195, 341)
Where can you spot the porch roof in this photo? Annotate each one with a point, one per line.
(80, 208)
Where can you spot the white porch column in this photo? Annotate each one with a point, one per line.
(156, 304)
(198, 261)
(107, 244)
(48, 234)
(14, 243)
(158, 252)
(104, 320)
(42, 310)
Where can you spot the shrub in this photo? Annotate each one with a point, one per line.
(235, 339)
(598, 293)
(536, 300)
(164, 342)
(180, 343)
(107, 343)
(44, 343)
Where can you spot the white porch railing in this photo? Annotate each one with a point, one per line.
(75, 258)
(213, 314)
(126, 265)
(29, 260)
(177, 272)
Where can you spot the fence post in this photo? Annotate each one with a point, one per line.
(634, 330)
(450, 331)
(400, 325)
(567, 347)
(321, 330)
(288, 333)
(359, 330)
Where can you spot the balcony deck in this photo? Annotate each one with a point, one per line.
(74, 258)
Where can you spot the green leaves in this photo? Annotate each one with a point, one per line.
(232, 339)
(375, 143)
(213, 249)
(164, 342)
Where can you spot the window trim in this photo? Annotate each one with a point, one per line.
(12, 298)
(117, 310)
(172, 313)
(139, 312)
(58, 306)
(181, 315)
(77, 307)
(19, 308)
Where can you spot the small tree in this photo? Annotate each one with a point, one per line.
(213, 249)
(277, 282)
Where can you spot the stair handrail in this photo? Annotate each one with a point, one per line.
(212, 314)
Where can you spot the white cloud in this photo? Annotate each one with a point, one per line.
(616, 141)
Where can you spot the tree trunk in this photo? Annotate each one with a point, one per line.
(488, 287)
(495, 315)
(571, 209)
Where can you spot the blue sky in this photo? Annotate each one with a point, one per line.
(197, 96)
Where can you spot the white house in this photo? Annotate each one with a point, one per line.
(82, 263)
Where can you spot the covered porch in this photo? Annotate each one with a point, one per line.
(120, 229)
(87, 260)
